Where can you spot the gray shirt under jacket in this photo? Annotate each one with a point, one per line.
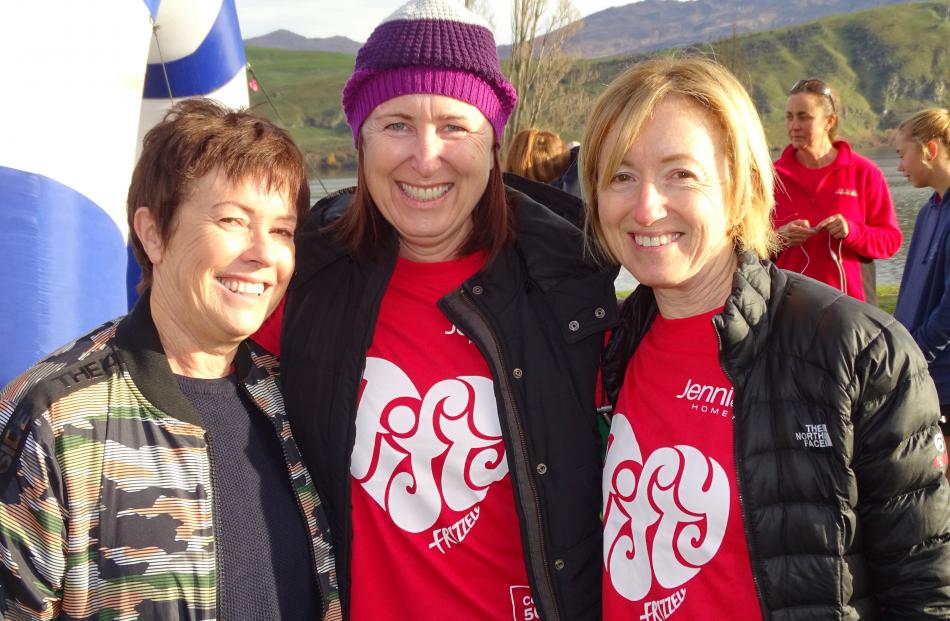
(264, 567)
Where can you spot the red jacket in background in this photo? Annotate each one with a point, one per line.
(854, 187)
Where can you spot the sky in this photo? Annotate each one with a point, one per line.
(357, 18)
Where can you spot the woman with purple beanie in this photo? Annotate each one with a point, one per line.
(440, 345)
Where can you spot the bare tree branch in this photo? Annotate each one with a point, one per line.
(539, 59)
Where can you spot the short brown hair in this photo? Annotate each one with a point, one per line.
(629, 103)
(197, 136)
(537, 154)
(365, 233)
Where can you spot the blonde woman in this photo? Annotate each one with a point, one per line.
(774, 450)
(923, 145)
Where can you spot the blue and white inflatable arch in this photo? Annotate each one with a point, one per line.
(83, 82)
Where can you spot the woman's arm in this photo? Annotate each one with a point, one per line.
(32, 524)
(899, 464)
(877, 235)
(933, 334)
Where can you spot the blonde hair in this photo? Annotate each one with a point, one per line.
(537, 154)
(927, 125)
(630, 101)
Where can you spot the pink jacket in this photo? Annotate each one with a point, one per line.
(854, 187)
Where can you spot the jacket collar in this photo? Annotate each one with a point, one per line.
(315, 248)
(143, 356)
(744, 324)
(941, 202)
(786, 162)
(758, 287)
(548, 254)
(548, 247)
(549, 244)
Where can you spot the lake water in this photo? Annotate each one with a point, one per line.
(907, 202)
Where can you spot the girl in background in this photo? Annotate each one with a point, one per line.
(923, 305)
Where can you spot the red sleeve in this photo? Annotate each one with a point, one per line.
(268, 336)
(879, 236)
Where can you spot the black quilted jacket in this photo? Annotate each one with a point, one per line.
(538, 315)
(859, 529)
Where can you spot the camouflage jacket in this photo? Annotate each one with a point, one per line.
(105, 483)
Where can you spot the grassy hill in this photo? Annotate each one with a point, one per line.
(649, 25)
(886, 63)
(304, 88)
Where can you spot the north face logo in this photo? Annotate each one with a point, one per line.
(814, 436)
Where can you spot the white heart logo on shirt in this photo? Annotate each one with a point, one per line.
(663, 518)
(403, 437)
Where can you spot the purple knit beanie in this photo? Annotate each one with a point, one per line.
(430, 46)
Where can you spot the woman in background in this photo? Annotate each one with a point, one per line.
(537, 154)
(832, 206)
(923, 145)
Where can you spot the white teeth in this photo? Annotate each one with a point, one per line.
(425, 194)
(656, 240)
(240, 286)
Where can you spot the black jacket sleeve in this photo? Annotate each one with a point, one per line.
(899, 464)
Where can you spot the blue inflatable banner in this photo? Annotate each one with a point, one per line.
(77, 106)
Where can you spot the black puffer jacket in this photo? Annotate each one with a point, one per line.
(856, 530)
(538, 314)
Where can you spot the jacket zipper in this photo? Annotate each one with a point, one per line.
(324, 600)
(511, 406)
(215, 526)
(735, 454)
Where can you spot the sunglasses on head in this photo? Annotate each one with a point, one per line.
(815, 86)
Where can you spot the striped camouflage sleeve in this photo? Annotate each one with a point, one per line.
(32, 515)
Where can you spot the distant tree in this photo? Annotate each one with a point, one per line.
(540, 30)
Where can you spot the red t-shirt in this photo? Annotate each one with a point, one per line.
(674, 544)
(435, 532)
(268, 335)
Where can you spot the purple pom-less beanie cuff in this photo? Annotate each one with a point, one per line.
(375, 87)
(430, 46)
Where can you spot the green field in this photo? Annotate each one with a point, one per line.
(887, 297)
(886, 62)
(304, 90)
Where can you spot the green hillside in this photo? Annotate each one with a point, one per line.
(886, 63)
(304, 88)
